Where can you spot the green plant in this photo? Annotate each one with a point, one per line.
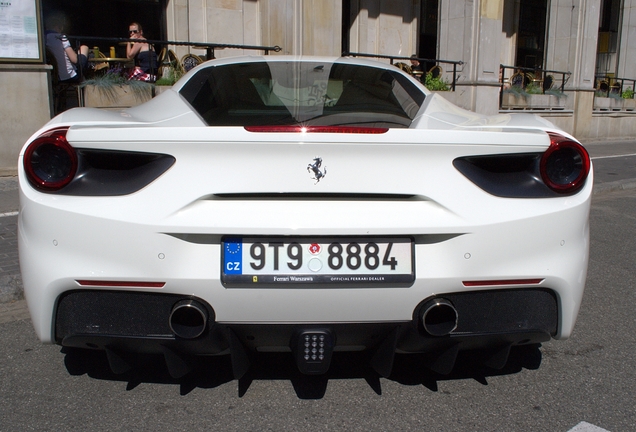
(628, 93)
(171, 75)
(533, 88)
(435, 84)
(605, 94)
(555, 92)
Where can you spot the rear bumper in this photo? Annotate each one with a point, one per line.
(124, 323)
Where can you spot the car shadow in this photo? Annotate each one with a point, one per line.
(211, 372)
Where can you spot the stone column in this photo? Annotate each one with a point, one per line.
(471, 32)
(578, 23)
(627, 47)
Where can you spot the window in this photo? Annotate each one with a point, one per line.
(531, 36)
(307, 93)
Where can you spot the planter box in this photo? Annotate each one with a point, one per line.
(161, 89)
(119, 96)
(629, 104)
(614, 104)
(532, 101)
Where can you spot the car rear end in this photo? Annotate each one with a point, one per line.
(310, 238)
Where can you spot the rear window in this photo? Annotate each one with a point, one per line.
(307, 93)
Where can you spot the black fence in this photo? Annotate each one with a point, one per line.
(538, 80)
(164, 46)
(433, 66)
(620, 87)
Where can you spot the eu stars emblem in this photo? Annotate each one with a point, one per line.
(233, 256)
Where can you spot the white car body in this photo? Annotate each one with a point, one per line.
(227, 181)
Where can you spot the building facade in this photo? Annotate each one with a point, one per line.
(570, 61)
(587, 47)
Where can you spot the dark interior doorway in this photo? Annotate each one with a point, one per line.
(533, 16)
(110, 18)
(428, 31)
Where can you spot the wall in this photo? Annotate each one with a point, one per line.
(386, 28)
(25, 108)
(235, 22)
(310, 27)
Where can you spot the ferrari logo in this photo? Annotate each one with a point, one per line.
(314, 168)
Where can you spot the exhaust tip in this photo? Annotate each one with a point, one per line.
(188, 319)
(439, 317)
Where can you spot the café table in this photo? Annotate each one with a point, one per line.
(111, 61)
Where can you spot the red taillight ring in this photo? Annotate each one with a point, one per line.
(565, 164)
(49, 161)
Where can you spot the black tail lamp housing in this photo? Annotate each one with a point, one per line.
(561, 169)
(52, 165)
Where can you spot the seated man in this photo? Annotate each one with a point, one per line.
(417, 69)
(69, 63)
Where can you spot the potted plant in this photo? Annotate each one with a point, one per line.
(112, 90)
(532, 96)
(629, 103)
(169, 75)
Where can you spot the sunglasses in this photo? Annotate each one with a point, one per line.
(133, 31)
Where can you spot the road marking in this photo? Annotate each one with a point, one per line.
(613, 156)
(15, 213)
(587, 427)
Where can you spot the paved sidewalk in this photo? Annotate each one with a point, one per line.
(8, 195)
(611, 174)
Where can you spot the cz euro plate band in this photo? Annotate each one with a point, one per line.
(332, 261)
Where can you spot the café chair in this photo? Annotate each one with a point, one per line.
(436, 71)
(61, 90)
(190, 61)
(168, 60)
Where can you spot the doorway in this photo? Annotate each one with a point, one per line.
(533, 16)
(110, 18)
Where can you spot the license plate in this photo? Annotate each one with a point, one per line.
(293, 261)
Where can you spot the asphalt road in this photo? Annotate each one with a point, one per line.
(585, 383)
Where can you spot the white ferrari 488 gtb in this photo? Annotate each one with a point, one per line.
(302, 205)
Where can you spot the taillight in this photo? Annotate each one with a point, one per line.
(564, 165)
(50, 162)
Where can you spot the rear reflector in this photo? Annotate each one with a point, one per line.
(503, 282)
(316, 129)
(131, 284)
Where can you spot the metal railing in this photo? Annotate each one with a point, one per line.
(209, 47)
(436, 62)
(606, 85)
(513, 79)
(541, 79)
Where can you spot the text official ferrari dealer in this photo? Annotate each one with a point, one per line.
(302, 205)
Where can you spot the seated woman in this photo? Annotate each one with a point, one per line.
(143, 52)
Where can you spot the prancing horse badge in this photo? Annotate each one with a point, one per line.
(314, 169)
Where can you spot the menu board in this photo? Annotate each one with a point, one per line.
(20, 31)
